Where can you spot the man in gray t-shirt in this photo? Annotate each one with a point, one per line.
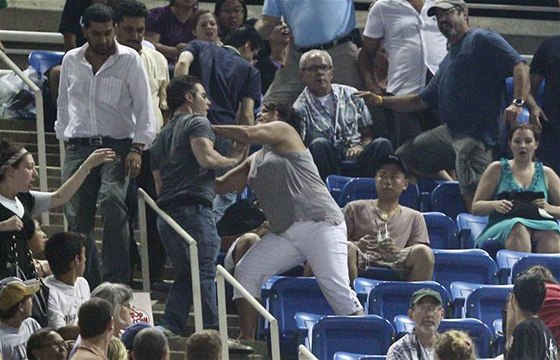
(183, 163)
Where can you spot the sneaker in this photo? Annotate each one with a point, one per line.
(236, 347)
(168, 333)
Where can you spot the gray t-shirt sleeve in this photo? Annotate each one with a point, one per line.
(42, 202)
(200, 127)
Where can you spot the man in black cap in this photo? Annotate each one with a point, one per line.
(426, 311)
(383, 233)
(468, 90)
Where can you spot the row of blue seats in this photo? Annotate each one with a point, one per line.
(328, 335)
(288, 298)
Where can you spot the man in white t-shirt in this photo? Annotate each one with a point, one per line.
(68, 290)
(16, 324)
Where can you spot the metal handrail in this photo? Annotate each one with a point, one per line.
(221, 275)
(40, 123)
(305, 354)
(143, 199)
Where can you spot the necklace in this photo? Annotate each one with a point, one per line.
(386, 215)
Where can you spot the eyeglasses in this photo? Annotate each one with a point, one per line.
(428, 309)
(444, 13)
(56, 343)
(316, 68)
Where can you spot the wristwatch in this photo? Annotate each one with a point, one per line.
(518, 102)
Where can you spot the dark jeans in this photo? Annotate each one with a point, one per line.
(198, 222)
(329, 159)
(107, 184)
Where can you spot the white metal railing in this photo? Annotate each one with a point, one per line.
(305, 354)
(223, 275)
(143, 199)
(40, 123)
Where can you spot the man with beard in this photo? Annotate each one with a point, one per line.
(104, 101)
(426, 311)
(468, 90)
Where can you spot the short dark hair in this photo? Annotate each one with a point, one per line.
(543, 273)
(130, 8)
(529, 292)
(238, 37)
(150, 344)
(97, 13)
(177, 89)
(205, 345)
(37, 341)
(61, 249)
(93, 317)
(286, 113)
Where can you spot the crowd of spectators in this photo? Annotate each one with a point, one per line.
(194, 106)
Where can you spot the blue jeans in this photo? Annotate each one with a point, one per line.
(107, 184)
(328, 158)
(198, 222)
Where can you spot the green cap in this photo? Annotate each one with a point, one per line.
(422, 293)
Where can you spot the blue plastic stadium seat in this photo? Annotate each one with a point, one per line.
(470, 227)
(481, 334)
(505, 260)
(370, 334)
(551, 261)
(362, 286)
(335, 183)
(364, 188)
(486, 302)
(472, 265)
(442, 231)
(42, 60)
(446, 198)
(391, 298)
(288, 296)
(342, 355)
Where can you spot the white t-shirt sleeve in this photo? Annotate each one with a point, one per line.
(374, 22)
(42, 202)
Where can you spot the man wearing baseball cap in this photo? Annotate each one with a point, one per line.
(468, 90)
(16, 324)
(426, 310)
(383, 233)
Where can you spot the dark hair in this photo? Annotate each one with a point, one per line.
(93, 317)
(205, 345)
(454, 345)
(7, 150)
(177, 89)
(149, 344)
(286, 113)
(543, 273)
(193, 22)
(37, 341)
(97, 13)
(220, 3)
(529, 292)
(130, 8)
(61, 249)
(531, 127)
(238, 37)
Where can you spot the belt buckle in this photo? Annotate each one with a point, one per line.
(96, 141)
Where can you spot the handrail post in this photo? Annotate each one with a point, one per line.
(195, 277)
(40, 123)
(222, 315)
(143, 244)
(305, 354)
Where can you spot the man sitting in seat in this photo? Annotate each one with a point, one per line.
(427, 312)
(383, 233)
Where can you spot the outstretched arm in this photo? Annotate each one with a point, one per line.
(236, 178)
(69, 188)
(278, 134)
(403, 103)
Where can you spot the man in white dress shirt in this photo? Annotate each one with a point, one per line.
(414, 47)
(104, 101)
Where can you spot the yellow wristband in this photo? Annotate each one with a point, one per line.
(380, 99)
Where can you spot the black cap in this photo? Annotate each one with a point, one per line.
(393, 159)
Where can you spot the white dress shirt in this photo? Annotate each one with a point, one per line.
(412, 40)
(114, 102)
(158, 77)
